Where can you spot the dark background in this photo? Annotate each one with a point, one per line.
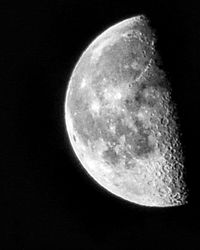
(47, 200)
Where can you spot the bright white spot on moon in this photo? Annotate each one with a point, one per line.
(83, 83)
(95, 106)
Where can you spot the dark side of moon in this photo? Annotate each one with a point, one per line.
(121, 119)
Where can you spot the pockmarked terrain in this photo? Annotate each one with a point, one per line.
(121, 119)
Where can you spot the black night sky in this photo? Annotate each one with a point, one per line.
(47, 201)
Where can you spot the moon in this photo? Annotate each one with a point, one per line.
(121, 120)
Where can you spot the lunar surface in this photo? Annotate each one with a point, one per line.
(121, 120)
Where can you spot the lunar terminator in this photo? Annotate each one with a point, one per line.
(121, 119)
